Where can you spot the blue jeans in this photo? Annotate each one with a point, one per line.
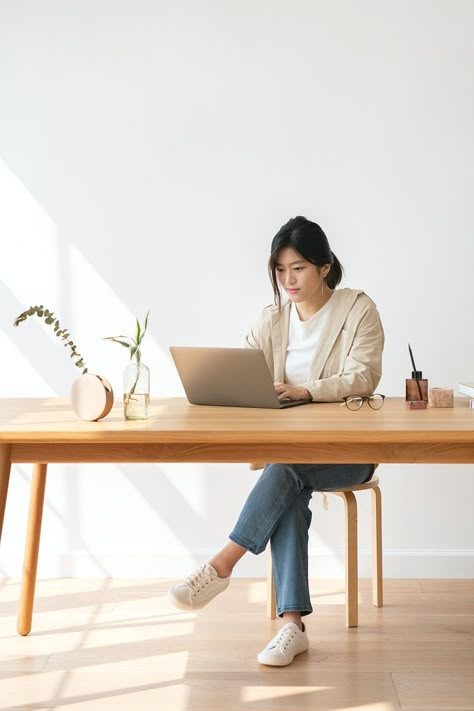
(277, 510)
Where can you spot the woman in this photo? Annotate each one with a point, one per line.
(322, 344)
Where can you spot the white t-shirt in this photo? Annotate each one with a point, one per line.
(303, 340)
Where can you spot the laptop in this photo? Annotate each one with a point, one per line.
(228, 377)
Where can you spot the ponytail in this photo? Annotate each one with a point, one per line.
(334, 275)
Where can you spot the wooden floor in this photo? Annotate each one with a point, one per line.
(118, 644)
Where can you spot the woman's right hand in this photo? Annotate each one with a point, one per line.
(291, 392)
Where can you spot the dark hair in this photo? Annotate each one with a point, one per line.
(308, 239)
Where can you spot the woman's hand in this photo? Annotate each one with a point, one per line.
(291, 392)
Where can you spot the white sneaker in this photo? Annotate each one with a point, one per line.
(198, 589)
(283, 648)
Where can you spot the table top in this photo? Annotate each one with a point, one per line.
(174, 420)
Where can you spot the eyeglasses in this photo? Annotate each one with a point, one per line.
(355, 402)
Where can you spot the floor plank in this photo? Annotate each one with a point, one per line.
(440, 690)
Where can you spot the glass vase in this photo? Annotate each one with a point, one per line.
(136, 391)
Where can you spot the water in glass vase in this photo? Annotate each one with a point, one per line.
(136, 391)
(137, 406)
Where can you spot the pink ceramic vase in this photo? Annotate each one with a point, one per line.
(92, 397)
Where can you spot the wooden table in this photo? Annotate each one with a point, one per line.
(43, 431)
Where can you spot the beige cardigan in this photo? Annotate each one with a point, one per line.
(349, 358)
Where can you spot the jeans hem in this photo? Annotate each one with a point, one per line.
(247, 546)
(304, 609)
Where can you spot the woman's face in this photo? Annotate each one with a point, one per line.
(300, 279)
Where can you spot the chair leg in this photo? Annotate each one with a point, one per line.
(271, 596)
(377, 573)
(352, 575)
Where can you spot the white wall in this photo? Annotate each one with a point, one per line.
(149, 151)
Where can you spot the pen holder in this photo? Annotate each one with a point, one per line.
(416, 389)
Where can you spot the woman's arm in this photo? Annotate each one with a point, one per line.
(359, 371)
(253, 338)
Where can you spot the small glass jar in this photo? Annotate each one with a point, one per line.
(136, 391)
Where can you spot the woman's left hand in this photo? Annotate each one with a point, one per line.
(291, 392)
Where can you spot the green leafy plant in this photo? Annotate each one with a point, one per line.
(61, 333)
(134, 347)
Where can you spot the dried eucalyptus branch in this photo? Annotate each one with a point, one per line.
(64, 334)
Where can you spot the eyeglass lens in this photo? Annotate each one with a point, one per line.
(354, 403)
(375, 401)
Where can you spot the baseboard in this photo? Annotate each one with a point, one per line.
(322, 564)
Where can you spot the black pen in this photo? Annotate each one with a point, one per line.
(414, 372)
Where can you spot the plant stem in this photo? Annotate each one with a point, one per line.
(128, 396)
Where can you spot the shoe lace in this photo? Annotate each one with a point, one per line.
(198, 579)
(284, 637)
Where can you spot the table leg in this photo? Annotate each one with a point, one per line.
(5, 466)
(30, 565)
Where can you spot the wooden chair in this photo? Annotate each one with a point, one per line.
(350, 553)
